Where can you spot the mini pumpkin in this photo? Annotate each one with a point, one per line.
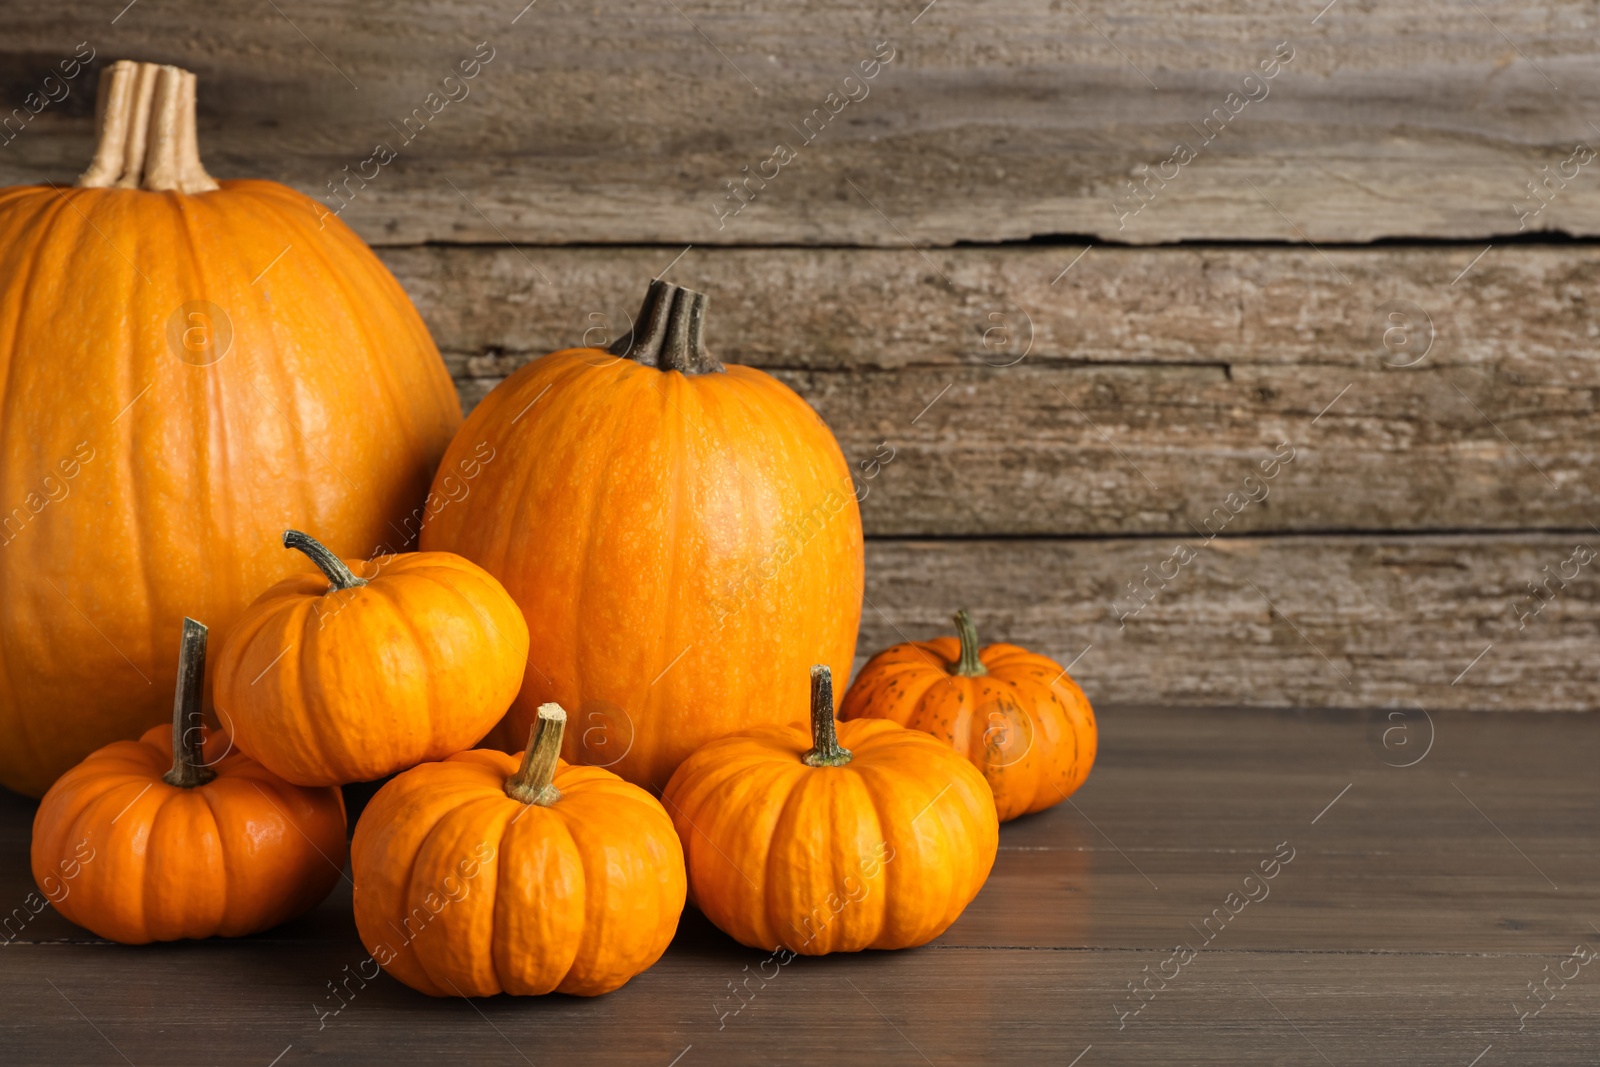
(1018, 716)
(685, 532)
(475, 876)
(187, 367)
(843, 837)
(331, 678)
(175, 836)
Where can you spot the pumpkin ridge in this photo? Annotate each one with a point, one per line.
(773, 872)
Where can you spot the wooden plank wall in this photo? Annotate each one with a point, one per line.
(1087, 272)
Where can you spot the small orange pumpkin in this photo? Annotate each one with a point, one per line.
(332, 678)
(1015, 714)
(795, 841)
(474, 876)
(217, 844)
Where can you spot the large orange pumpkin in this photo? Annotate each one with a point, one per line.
(475, 876)
(187, 368)
(834, 839)
(331, 678)
(1018, 716)
(683, 537)
(176, 835)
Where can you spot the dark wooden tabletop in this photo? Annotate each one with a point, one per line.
(1421, 908)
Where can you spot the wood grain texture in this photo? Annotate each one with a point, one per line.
(1404, 920)
(1132, 394)
(1380, 621)
(623, 122)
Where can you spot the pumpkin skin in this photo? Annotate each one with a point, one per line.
(1022, 721)
(461, 890)
(688, 541)
(122, 852)
(884, 851)
(328, 684)
(145, 473)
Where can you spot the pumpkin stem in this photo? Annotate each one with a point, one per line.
(969, 665)
(825, 748)
(668, 332)
(532, 784)
(147, 140)
(188, 731)
(339, 576)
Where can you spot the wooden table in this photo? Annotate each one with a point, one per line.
(1419, 904)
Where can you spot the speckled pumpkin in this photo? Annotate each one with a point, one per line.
(1015, 714)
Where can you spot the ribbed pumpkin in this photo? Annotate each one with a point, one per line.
(683, 537)
(175, 835)
(475, 876)
(330, 677)
(1018, 716)
(845, 837)
(187, 368)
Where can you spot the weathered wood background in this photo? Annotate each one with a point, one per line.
(1378, 262)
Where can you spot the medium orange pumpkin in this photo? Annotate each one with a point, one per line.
(217, 844)
(684, 535)
(331, 678)
(187, 367)
(836, 839)
(1018, 716)
(474, 876)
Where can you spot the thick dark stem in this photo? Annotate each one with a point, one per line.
(188, 730)
(669, 332)
(339, 576)
(532, 782)
(969, 665)
(825, 750)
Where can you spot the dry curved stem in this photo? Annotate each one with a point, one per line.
(969, 665)
(147, 140)
(534, 781)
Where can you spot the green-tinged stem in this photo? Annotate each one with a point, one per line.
(532, 784)
(188, 730)
(969, 665)
(825, 748)
(339, 576)
(669, 333)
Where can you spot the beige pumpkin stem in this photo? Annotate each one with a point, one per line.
(188, 731)
(669, 333)
(969, 665)
(825, 748)
(533, 782)
(145, 120)
(339, 576)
